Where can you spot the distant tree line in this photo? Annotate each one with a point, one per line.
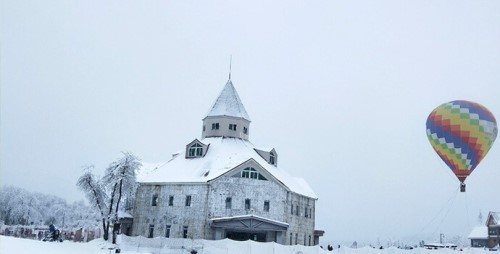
(21, 207)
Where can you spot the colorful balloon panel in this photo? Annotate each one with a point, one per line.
(461, 133)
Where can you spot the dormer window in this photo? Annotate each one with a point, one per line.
(272, 158)
(196, 149)
(245, 130)
(232, 127)
(215, 126)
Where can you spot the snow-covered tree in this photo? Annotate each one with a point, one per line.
(94, 191)
(118, 183)
(121, 180)
(19, 206)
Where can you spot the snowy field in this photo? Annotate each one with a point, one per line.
(13, 245)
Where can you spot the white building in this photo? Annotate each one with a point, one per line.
(222, 186)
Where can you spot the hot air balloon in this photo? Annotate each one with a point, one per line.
(461, 132)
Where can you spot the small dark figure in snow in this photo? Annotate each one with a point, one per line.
(330, 248)
(381, 248)
(54, 234)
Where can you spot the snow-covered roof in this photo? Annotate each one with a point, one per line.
(496, 217)
(223, 155)
(250, 216)
(228, 104)
(479, 232)
(122, 214)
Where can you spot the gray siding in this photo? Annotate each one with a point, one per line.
(178, 215)
(208, 200)
(224, 130)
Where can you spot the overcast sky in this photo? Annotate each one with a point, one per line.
(341, 89)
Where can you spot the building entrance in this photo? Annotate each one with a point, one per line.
(243, 236)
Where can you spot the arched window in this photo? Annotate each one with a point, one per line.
(252, 174)
(195, 150)
(249, 173)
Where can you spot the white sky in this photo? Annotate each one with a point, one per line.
(341, 89)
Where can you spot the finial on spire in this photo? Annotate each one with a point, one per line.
(230, 60)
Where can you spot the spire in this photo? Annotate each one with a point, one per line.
(228, 103)
(230, 61)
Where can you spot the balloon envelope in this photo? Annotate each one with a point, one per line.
(461, 133)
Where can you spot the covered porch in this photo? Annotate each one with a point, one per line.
(249, 227)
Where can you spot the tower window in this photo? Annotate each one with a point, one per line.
(232, 126)
(245, 130)
(215, 126)
(203, 127)
(228, 202)
(247, 204)
(196, 150)
(272, 158)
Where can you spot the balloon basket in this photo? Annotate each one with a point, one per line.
(462, 187)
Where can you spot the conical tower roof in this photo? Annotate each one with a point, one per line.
(228, 104)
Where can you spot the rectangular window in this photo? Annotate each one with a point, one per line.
(266, 206)
(492, 231)
(297, 210)
(203, 127)
(296, 238)
(228, 202)
(304, 239)
(310, 213)
(309, 240)
(216, 126)
(154, 200)
(247, 204)
(291, 211)
(306, 214)
(232, 126)
(245, 130)
(188, 200)
(167, 231)
(213, 126)
(151, 230)
(185, 232)
(291, 235)
(171, 201)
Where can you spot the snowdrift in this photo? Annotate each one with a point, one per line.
(143, 245)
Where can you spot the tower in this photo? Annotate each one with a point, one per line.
(227, 117)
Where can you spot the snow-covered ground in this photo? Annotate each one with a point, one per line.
(13, 245)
